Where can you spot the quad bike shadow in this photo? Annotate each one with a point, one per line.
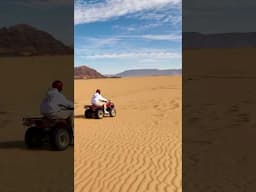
(41, 131)
(93, 111)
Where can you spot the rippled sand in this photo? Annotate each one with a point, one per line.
(138, 150)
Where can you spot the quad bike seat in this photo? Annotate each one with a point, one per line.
(93, 107)
(42, 121)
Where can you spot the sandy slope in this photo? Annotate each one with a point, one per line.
(22, 169)
(140, 149)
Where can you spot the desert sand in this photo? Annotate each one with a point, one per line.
(218, 128)
(22, 169)
(138, 150)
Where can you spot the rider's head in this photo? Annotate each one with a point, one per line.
(58, 85)
(98, 91)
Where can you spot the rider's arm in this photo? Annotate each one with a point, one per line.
(65, 102)
(102, 98)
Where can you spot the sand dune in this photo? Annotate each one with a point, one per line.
(140, 149)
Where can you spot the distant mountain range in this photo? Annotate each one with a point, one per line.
(84, 72)
(224, 40)
(148, 72)
(25, 40)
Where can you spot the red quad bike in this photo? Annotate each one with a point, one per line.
(42, 130)
(93, 111)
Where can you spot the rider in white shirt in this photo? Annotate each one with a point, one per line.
(98, 100)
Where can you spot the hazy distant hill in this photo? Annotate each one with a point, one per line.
(84, 72)
(149, 72)
(224, 40)
(25, 40)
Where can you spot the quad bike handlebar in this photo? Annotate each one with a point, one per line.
(66, 107)
(104, 101)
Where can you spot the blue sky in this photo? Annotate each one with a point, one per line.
(115, 35)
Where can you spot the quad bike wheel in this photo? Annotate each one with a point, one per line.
(60, 139)
(112, 112)
(88, 113)
(99, 114)
(33, 138)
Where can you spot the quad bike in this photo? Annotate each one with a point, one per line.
(93, 111)
(44, 130)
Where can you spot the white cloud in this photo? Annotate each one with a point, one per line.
(160, 54)
(87, 13)
(95, 43)
(100, 42)
(149, 60)
(137, 27)
(162, 37)
(165, 14)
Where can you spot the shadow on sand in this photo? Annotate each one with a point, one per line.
(82, 117)
(13, 145)
(21, 145)
(79, 116)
